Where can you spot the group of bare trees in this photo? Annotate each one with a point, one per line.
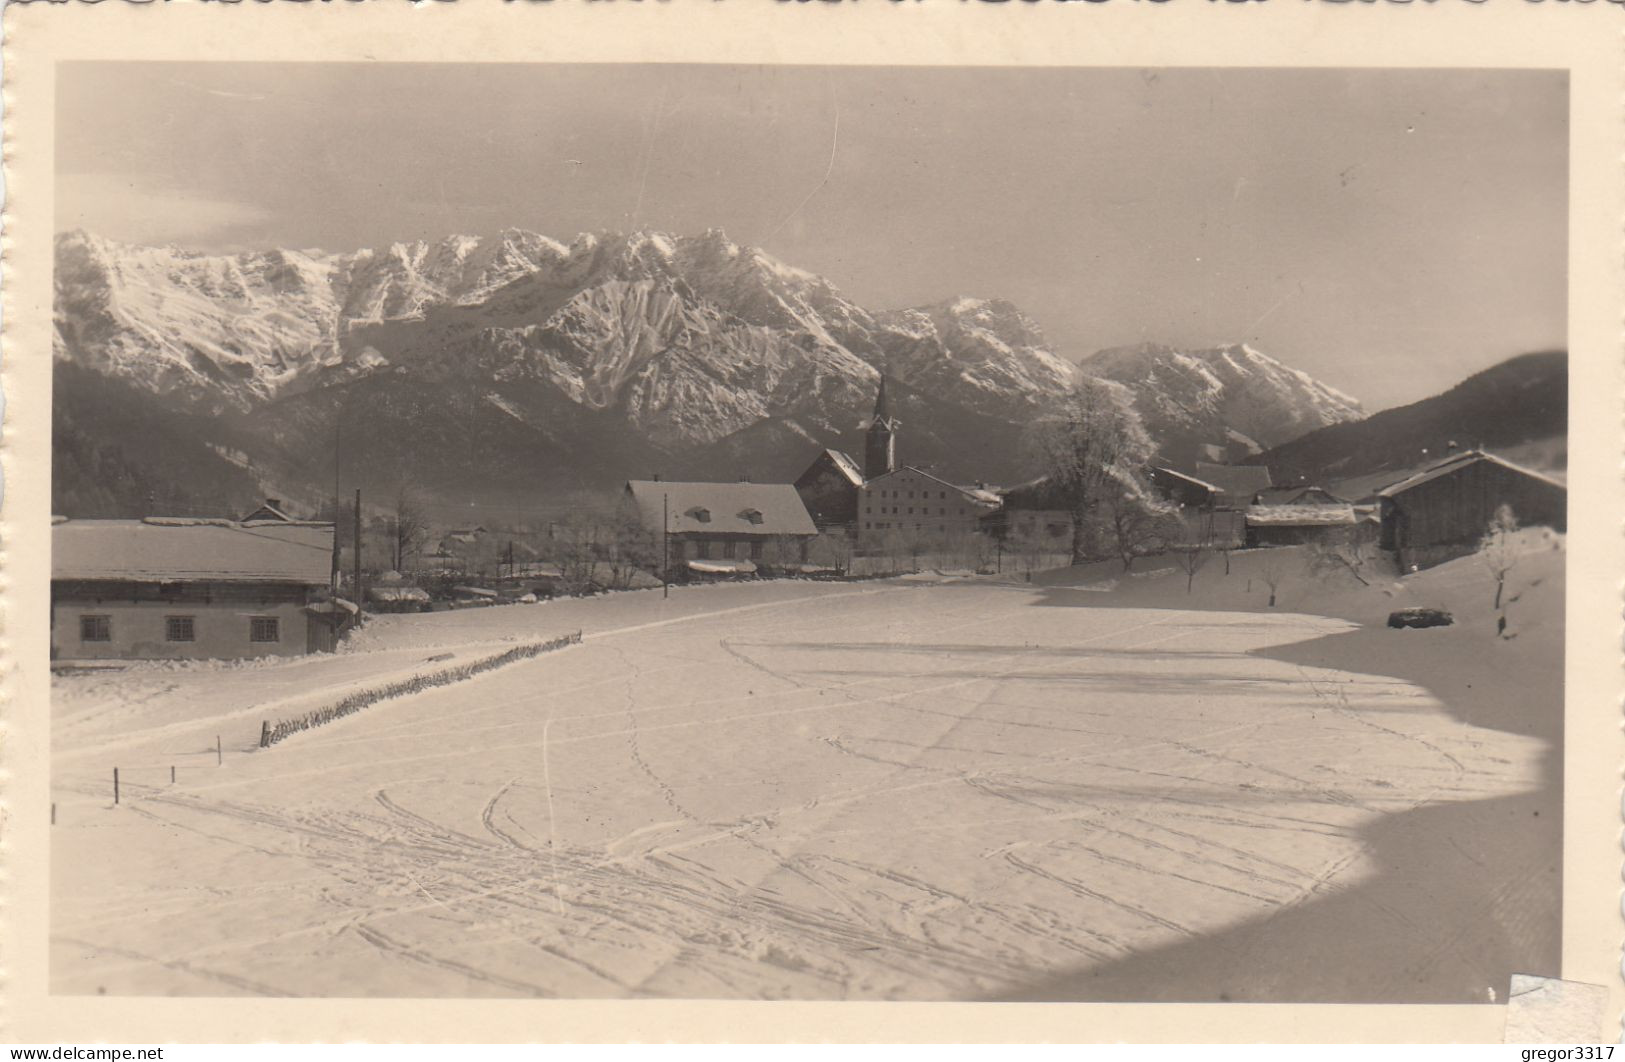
(607, 547)
(1095, 451)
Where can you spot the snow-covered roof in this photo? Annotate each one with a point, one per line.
(1204, 484)
(849, 468)
(1459, 461)
(180, 550)
(981, 495)
(1300, 515)
(723, 508)
(270, 511)
(397, 593)
(1235, 479)
(721, 567)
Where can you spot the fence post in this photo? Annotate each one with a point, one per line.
(115, 785)
(218, 758)
(172, 774)
(265, 734)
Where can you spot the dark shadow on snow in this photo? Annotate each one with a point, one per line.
(1495, 866)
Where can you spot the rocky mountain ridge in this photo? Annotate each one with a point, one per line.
(525, 359)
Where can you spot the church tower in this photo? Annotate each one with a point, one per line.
(880, 447)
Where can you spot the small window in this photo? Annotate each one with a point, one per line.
(179, 629)
(752, 515)
(264, 629)
(95, 628)
(756, 550)
(911, 510)
(942, 494)
(702, 515)
(702, 549)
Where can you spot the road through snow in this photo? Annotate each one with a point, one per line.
(913, 792)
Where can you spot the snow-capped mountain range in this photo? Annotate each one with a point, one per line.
(607, 355)
(1220, 403)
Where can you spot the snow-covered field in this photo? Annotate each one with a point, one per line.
(1086, 787)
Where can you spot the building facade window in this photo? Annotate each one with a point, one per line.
(95, 628)
(180, 629)
(264, 629)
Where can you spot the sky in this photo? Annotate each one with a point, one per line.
(1389, 232)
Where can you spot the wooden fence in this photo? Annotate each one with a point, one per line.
(271, 733)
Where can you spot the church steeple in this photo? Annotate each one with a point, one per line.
(880, 446)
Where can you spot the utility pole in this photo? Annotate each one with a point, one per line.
(359, 597)
(665, 545)
(338, 429)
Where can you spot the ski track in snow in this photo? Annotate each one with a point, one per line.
(819, 798)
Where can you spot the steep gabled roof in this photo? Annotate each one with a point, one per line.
(1211, 488)
(1459, 461)
(159, 551)
(268, 512)
(846, 466)
(727, 505)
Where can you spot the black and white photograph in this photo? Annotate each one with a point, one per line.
(792, 532)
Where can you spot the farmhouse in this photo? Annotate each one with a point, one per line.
(1237, 485)
(1034, 513)
(1184, 489)
(1208, 510)
(725, 525)
(163, 589)
(1443, 511)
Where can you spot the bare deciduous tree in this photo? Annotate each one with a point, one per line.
(1135, 520)
(1190, 556)
(1498, 550)
(1272, 570)
(1345, 552)
(1090, 449)
(832, 549)
(409, 527)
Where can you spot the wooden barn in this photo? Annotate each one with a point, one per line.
(1212, 486)
(172, 589)
(1184, 489)
(1442, 512)
(726, 525)
(1036, 513)
(1238, 485)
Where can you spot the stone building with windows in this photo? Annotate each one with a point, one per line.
(914, 505)
(175, 589)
